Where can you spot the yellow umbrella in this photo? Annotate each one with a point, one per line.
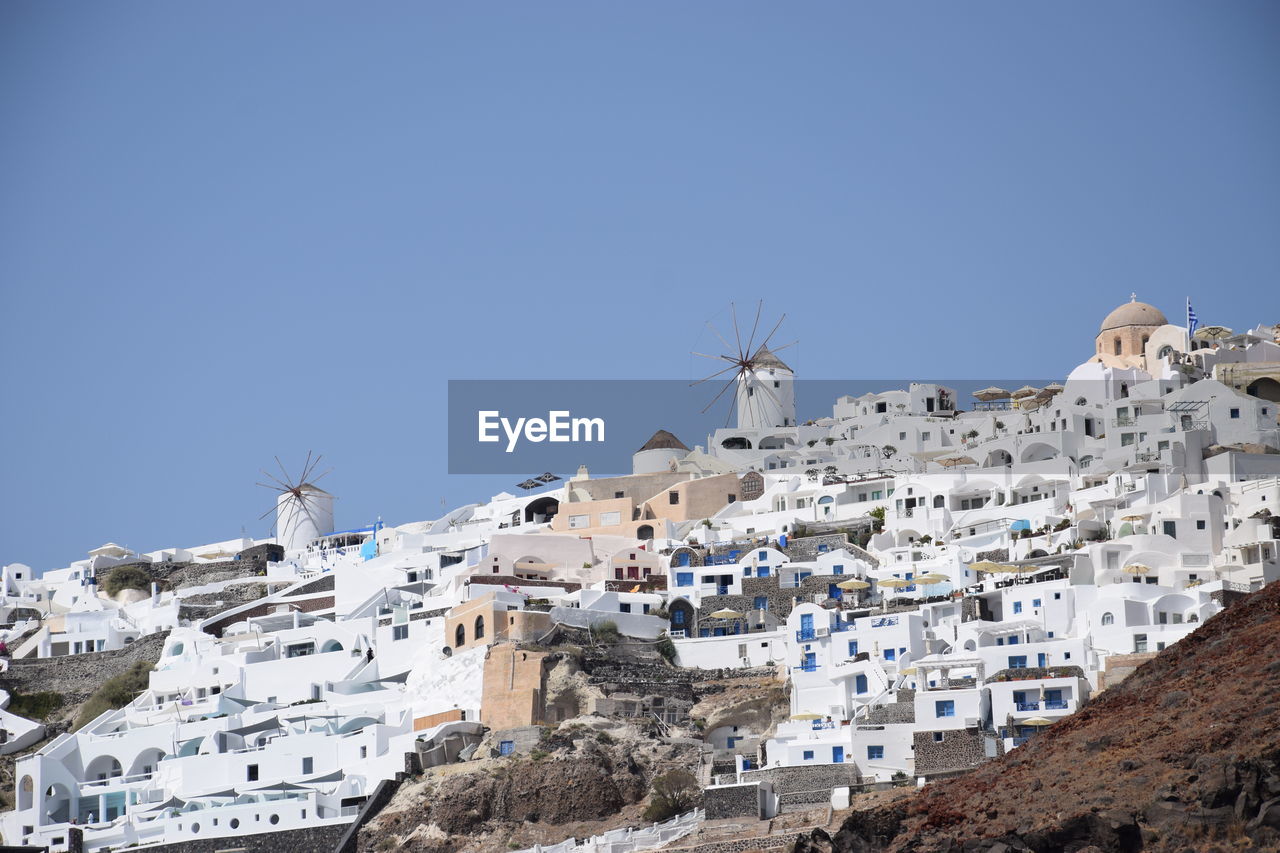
(931, 579)
(985, 566)
(806, 716)
(853, 583)
(726, 613)
(911, 670)
(894, 583)
(1035, 721)
(1136, 569)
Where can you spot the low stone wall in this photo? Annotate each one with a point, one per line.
(306, 605)
(76, 677)
(815, 777)
(347, 842)
(732, 801)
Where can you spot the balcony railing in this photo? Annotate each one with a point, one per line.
(1055, 705)
(806, 634)
(809, 666)
(1028, 706)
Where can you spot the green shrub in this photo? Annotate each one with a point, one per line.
(605, 739)
(127, 577)
(672, 793)
(115, 692)
(666, 648)
(35, 706)
(606, 632)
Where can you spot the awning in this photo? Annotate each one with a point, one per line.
(191, 747)
(267, 725)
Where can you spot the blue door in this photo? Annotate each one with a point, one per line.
(810, 662)
(1042, 660)
(859, 684)
(806, 625)
(837, 755)
(834, 591)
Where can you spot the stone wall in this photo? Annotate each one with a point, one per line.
(814, 777)
(959, 749)
(76, 677)
(809, 548)
(732, 801)
(306, 605)
(347, 842)
(902, 711)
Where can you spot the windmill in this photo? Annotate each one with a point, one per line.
(303, 510)
(764, 396)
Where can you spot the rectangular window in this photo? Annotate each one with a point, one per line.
(624, 608)
(308, 765)
(944, 708)
(853, 648)
(837, 755)
(1170, 528)
(578, 521)
(1200, 524)
(673, 498)
(400, 632)
(890, 654)
(1017, 607)
(506, 747)
(859, 684)
(610, 519)
(251, 773)
(1235, 413)
(1035, 602)
(875, 753)
(808, 755)
(684, 578)
(1017, 661)
(760, 602)
(937, 737)
(677, 617)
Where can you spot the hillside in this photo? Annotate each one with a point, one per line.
(1184, 755)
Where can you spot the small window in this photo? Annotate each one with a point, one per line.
(1235, 413)
(808, 755)
(937, 737)
(1200, 524)
(506, 747)
(1108, 619)
(399, 632)
(251, 773)
(875, 753)
(673, 498)
(944, 708)
(308, 765)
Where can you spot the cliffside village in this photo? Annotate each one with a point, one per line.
(934, 579)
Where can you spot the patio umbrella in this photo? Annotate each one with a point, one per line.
(931, 578)
(1024, 391)
(991, 393)
(1212, 333)
(911, 670)
(893, 583)
(726, 613)
(806, 715)
(1136, 569)
(953, 461)
(1035, 721)
(853, 583)
(984, 566)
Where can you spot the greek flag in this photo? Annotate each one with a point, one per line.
(1192, 321)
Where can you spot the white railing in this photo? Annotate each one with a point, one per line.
(629, 840)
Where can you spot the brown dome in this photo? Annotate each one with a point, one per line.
(1134, 313)
(663, 440)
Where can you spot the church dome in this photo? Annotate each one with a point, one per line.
(1134, 313)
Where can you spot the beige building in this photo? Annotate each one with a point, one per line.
(485, 620)
(642, 506)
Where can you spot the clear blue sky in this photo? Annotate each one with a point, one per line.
(233, 230)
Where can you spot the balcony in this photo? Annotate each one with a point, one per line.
(1056, 705)
(805, 634)
(809, 666)
(1028, 706)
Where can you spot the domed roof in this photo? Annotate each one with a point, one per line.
(1134, 313)
(663, 440)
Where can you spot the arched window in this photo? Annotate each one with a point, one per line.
(1165, 351)
(479, 632)
(1124, 390)
(1117, 346)
(938, 502)
(1108, 619)
(1081, 401)
(1145, 341)
(460, 636)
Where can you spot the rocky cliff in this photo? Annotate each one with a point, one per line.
(1184, 755)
